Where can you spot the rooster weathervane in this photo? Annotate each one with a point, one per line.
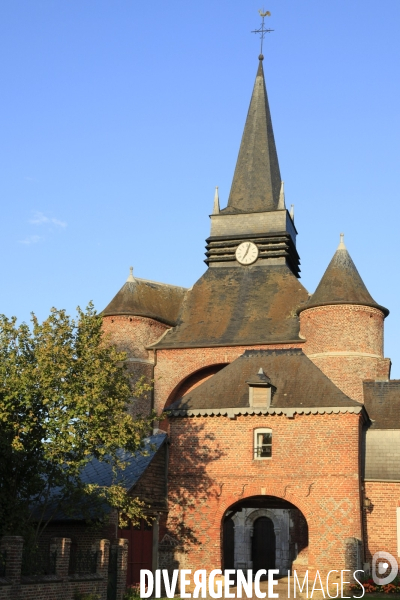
(262, 30)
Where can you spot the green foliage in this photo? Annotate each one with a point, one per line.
(132, 593)
(63, 397)
(90, 596)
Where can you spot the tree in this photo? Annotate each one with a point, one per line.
(63, 397)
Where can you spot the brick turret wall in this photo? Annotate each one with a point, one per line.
(346, 343)
(132, 334)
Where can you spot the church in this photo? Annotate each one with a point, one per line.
(282, 424)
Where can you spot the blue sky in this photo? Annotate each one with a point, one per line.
(119, 117)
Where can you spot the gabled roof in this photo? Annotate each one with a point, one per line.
(143, 298)
(257, 181)
(298, 382)
(342, 284)
(235, 306)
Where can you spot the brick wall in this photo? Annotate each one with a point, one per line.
(212, 467)
(346, 343)
(80, 533)
(60, 586)
(380, 517)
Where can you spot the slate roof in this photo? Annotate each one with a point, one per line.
(381, 455)
(381, 444)
(382, 401)
(342, 284)
(235, 306)
(100, 473)
(143, 298)
(298, 383)
(257, 181)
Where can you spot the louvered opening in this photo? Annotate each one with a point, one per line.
(260, 396)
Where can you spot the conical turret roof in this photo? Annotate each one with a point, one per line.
(342, 284)
(144, 298)
(257, 180)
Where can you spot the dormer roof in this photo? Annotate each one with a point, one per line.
(259, 379)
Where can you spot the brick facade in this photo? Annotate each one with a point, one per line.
(212, 467)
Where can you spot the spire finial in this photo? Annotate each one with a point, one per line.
(216, 208)
(262, 31)
(292, 212)
(342, 245)
(130, 277)
(281, 203)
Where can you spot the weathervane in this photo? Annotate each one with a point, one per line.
(262, 31)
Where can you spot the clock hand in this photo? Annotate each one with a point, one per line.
(248, 248)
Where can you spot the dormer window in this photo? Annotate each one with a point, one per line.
(260, 390)
(260, 397)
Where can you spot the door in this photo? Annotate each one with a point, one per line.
(263, 547)
(140, 549)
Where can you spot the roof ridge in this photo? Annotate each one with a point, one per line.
(159, 283)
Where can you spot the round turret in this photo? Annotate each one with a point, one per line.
(140, 313)
(343, 327)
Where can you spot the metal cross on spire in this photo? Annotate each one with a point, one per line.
(262, 30)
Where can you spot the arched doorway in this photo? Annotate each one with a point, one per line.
(264, 532)
(263, 544)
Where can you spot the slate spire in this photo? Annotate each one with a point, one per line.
(256, 182)
(342, 283)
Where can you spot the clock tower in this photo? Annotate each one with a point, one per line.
(256, 211)
(251, 290)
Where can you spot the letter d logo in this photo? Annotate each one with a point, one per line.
(380, 568)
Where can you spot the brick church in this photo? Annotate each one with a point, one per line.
(283, 425)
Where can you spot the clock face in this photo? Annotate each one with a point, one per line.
(246, 253)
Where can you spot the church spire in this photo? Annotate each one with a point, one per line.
(257, 181)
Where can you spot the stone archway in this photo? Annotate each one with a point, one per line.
(289, 525)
